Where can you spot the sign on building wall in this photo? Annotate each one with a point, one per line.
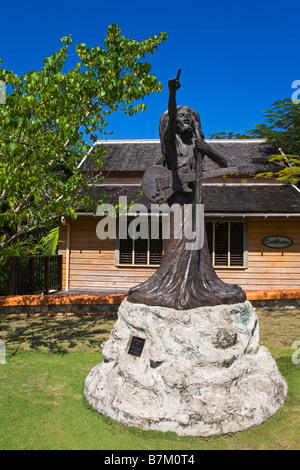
(277, 241)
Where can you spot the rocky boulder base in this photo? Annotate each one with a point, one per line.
(201, 372)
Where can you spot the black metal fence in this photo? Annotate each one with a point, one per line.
(35, 275)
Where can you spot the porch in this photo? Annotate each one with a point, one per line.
(93, 302)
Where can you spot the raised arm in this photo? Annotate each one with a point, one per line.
(174, 85)
(169, 137)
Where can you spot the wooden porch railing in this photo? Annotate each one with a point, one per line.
(35, 275)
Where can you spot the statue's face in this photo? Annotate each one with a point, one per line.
(184, 119)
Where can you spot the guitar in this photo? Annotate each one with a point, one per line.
(159, 183)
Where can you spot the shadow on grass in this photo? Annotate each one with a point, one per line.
(58, 336)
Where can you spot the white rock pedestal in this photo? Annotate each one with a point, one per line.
(201, 372)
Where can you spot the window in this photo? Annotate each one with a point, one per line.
(140, 252)
(226, 242)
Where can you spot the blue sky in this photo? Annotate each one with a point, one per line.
(236, 57)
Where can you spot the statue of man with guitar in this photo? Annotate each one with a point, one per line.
(186, 278)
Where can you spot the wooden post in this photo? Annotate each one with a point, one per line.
(12, 276)
(46, 267)
(32, 274)
(59, 272)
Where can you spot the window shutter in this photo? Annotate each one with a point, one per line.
(156, 250)
(125, 250)
(221, 243)
(140, 251)
(236, 243)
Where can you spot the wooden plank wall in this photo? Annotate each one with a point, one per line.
(269, 268)
(92, 261)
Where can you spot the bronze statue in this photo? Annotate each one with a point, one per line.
(186, 278)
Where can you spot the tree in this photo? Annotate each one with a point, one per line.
(46, 122)
(281, 132)
(228, 135)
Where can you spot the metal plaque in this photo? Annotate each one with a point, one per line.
(136, 346)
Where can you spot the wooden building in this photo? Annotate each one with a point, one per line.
(253, 224)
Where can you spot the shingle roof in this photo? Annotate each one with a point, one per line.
(227, 198)
(258, 198)
(137, 156)
(140, 155)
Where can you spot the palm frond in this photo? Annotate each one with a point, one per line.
(50, 241)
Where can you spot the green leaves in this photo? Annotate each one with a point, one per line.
(49, 242)
(49, 115)
(281, 130)
(67, 40)
(282, 133)
(121, 76)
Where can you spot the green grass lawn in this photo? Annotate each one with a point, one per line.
(42, 404)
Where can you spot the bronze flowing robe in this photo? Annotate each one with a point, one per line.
(186, 278)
